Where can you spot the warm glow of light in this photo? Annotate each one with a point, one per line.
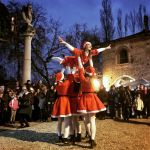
(12, 24)
(106, 82)
(12, 18)
(96, 84)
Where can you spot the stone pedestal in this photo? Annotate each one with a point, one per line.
(27, 57)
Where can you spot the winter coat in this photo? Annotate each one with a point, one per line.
(25, 105)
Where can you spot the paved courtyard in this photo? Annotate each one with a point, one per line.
(111, 135)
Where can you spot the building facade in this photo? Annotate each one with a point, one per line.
(128, 60)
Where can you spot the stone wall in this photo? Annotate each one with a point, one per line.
(138, 66)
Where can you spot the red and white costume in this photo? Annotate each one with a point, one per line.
(72, 61)
(61, 106)
(89, 102)
(74, 95)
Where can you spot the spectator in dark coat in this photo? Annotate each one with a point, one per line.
(103, 95)
(126, 107)
(148, 103)
(1, 106)
(111, 101)
(6, 108)
(51, 96)
(42, 106)
(25, 110)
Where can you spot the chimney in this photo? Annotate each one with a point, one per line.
(146, 26)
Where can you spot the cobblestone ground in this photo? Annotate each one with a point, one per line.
(111, 135)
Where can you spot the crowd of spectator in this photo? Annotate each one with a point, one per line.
(26, 103)
(124, 102)
(35, 103)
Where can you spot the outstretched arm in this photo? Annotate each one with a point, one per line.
(103, 49)
(70, 47)
(79, 62)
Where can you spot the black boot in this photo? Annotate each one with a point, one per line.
(72, 139)
(60, 139)
(92, 143)
(65, 141)
(78, 138)
(86, 134)
(26, 123)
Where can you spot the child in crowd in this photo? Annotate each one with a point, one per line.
(14, 105)
(139, 105)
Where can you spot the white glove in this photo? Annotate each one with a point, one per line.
(74, 70)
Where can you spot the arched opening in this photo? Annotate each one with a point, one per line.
(123, 80)
(123, 56)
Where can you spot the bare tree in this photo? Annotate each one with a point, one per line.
(79, 33)
(149, 22)
(106, 20)
(132, 21)
(119, 23)
(75, 34)
(14, 47)
(140, 16)
(44, 44)
(126, 25)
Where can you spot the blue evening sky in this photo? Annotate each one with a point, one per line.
(70, 12)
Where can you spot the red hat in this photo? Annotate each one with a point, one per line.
(59, 76)
(90, 70)
(85, 43)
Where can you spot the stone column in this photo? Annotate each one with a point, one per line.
(27, 57)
